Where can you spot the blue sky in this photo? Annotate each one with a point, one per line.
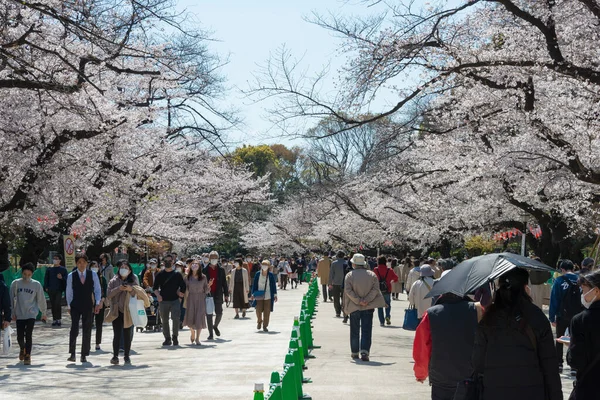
(250, 30)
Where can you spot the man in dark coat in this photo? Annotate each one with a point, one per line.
(218, 290)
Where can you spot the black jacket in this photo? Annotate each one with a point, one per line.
(220, 283)
(506, 356)
(584, 348)
(453, 323)
(5, 303)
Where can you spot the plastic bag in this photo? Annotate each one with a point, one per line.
(137, 312)
(6, 340)
(210, 306)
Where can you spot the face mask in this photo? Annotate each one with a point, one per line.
(178, 270)
(153, 267)
(195, 267)
(237, 265)
(265, 267)
(214, 262)
(205, 259)
(587, 304)
(95, 270)
(124, 272)
(56, 262)
(27, 279)
(389, 264)
(248, 259)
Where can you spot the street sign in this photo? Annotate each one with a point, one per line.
(69, 248)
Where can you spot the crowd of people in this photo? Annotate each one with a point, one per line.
(178, 292)
(498, 331)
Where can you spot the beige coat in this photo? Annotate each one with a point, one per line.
(397, 286)
(114, 306)
(246, 283)
(323, 268)
(362, 285)
(418, 291)
(404, 275)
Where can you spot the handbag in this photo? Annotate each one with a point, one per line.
(6, 341)
(210, 305)
(411, 319)
(470, 389)
(137, 312)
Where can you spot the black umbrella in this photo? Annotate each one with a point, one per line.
(469, 275)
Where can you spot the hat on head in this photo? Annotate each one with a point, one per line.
(152, 261)
(358, 259)
(180, 263)
(266, 262)
(426, 271)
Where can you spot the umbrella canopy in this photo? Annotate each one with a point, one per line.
(469, 275)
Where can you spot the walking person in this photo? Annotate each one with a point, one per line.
(29, 300)
(99, 317)
(565, 303)
(83, 300)
(323, 267)
(396, 286)
(265, 295)
(218, 291)
(106, 268)
(55, 283)
(121, 289)
(169, 287)
(284, 270)
(239, 288)
(386, 277)
(514, 346)
(294, 274)
(420, 289)
(150, 275)
(5, 304)
(362, 296)
(444, 343)
(413, 276)
(301, 264)
(406, 268)
(195, 301)
(584, 350)
(336, 278)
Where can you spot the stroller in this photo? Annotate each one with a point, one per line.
(153, 313)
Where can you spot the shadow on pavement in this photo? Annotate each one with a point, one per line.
(372, 363)
(21, 366)
(87, 365)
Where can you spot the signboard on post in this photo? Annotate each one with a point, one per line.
(69, 247)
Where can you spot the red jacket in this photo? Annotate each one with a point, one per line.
(422, 349)
(381, 271)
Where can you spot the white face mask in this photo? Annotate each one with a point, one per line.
(205, 259)
(195, 267)
(237, 265)
(248, 259)
(94, 270)
(153, 266)
(124, 272)
(265, 267)
(178, 269)
(214, 262)
(587, 304)
(389, 264)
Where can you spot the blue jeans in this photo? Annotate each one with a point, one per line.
(388, 309)
(361, 328)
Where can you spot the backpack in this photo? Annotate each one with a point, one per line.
(570, 304)
(383, 287)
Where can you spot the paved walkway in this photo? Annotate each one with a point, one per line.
(224, 369)
(389, 374)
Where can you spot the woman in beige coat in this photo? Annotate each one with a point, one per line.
(408, 265)
(361, 298)
(397, 285)
(239, 288)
